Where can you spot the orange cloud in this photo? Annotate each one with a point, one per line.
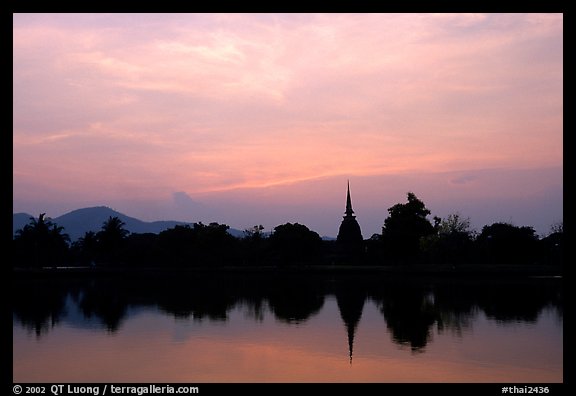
(124, 105)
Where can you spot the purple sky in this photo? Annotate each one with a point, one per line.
(261, 119)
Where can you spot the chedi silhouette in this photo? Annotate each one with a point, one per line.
(350, 240)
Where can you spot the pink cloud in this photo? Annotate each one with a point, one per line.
(153, 104)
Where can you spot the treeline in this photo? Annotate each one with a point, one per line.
(408, 310)
(408, 237)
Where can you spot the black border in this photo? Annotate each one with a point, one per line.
(439, 6)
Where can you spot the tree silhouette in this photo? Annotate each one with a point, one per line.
(403, 229)
(256, 232)
(141, 250)
(504, 243)
(214, 244)
(199, 245)
(175, 244)
(253, 245)
(111, 239)
(295, 244)
(451, 243)
(41, 243)
(552, 246)
(86, 248)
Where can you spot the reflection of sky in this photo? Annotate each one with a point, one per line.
(154, 346)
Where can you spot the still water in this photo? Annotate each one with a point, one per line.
(287, 328)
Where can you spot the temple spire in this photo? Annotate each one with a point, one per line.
(349, 238)
(349, 212)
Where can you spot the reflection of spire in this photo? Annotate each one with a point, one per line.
(351, 330)
(350, 303)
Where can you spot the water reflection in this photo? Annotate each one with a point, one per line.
(410, 308)
(410, 312)
(350, 297)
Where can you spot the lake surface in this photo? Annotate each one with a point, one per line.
(287, 327)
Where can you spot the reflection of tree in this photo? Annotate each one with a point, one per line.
(38, 305)
(520, 302)
(505, 300)
(106, 302)
(254, 308)
(210, 298)
(410, 307)
(453, 321)
(295, 301)
(409, 314)
(350, 299)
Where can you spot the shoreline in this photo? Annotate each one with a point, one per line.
(464, 270)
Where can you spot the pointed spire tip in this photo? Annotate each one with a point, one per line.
(349, 210)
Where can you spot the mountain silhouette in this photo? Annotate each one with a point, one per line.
(77, 222)
(19, 220)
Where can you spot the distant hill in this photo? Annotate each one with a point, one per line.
(19, 220)
(77, 222)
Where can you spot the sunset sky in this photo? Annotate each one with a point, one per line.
(249, 119)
